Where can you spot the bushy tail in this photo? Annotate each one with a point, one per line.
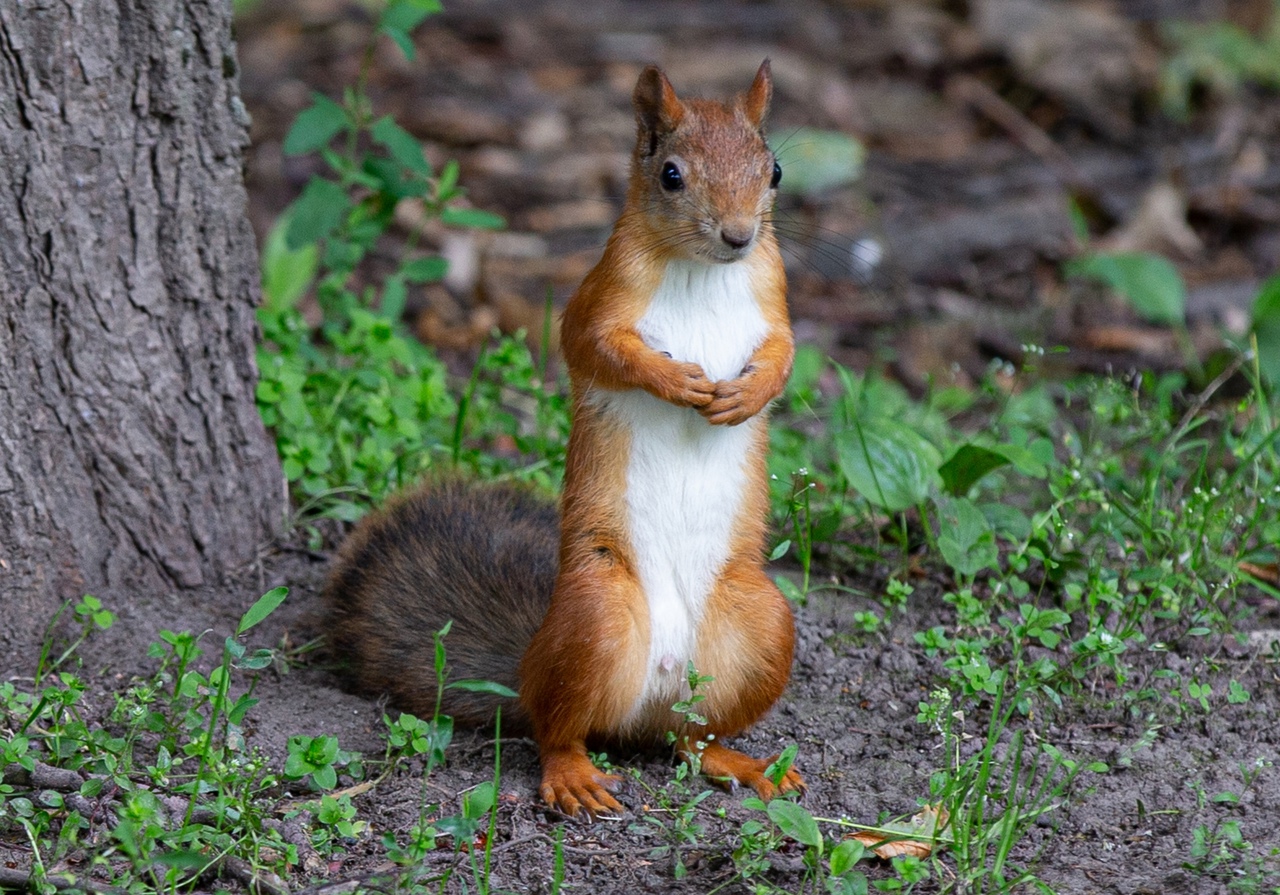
(481, 556)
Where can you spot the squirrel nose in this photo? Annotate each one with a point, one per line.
(737, 237)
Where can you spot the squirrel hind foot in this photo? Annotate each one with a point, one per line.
(574, 786)
(731, 769)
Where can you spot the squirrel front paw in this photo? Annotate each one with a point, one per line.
(737, 400)
(572, 784)
(688, 386)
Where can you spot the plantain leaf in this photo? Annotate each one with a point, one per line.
(889, 464)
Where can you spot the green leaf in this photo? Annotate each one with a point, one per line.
(889, 464)
(387, 177)
(265, 605)
(242, 705)
(315, 214)
(296, 765)
(425, 270)
(780, 551)
(846, 855)
(315, 126)
(402, 145)
(789, 589)
(474, 218)
(394, 295)
(402, 16)
(1265, 327)
(402, 40)
(777, 769)
(795, 821)
(491, 687)
(325, 777)
(1148, 282)
(479, 801)
(1032, 459)
(967, 466)
(322, 750)
(183, 859)
(817, 161)
(965, 537)
(446, 186)
(1006, 520)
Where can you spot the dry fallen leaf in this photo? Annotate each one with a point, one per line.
(916, 836)
(1159, 225)
(1268, 572)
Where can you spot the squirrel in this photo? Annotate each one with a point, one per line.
(675, 344)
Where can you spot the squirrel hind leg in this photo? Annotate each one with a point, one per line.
(731, 769)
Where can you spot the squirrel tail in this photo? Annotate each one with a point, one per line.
(481, 556)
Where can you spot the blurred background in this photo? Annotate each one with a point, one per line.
(954, 170)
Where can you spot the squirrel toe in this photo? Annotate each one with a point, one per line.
(730, 769)
(572, 784)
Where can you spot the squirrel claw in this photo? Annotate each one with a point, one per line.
(584, 804)
(574, 786)
(731, 769)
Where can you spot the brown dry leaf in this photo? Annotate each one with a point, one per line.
(916, 836)
(1268, 572)
(1159, 225)
(1146, 341)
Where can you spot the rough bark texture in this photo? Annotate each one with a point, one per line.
(131, 454)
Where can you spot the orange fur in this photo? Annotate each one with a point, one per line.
(576, 634)
(586, 663)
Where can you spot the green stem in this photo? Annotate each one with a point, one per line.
(224, 684)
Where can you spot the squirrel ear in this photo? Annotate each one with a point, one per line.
(658, 109)
(755, 102)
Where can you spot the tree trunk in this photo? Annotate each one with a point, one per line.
(132, 456)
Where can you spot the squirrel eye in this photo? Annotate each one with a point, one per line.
(777, 176)
(670, 178)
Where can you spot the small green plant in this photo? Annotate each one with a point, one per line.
(471, 830)
(683, 740)
(359, 408)
(1218, 56)
(317, 760)
(174, 777)
(828, 867)
(1219, 848)
(336, 822)
(991, 798)
(92, 617)
(673, 816)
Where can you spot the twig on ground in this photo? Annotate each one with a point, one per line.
(261, 881)
(16, 880)
(1021, 129)
(43, 776)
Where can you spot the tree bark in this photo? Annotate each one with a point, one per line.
(132, 457)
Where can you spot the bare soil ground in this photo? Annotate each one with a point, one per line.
(852, 709)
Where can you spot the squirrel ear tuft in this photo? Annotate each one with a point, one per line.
(658, 109)
(755, 102)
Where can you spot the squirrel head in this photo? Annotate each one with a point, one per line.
(702, 174)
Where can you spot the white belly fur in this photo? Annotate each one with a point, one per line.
(684, 476)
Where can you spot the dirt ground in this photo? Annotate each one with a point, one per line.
(982, 120)
(851, 707)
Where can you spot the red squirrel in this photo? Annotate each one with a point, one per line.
(675, 343)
